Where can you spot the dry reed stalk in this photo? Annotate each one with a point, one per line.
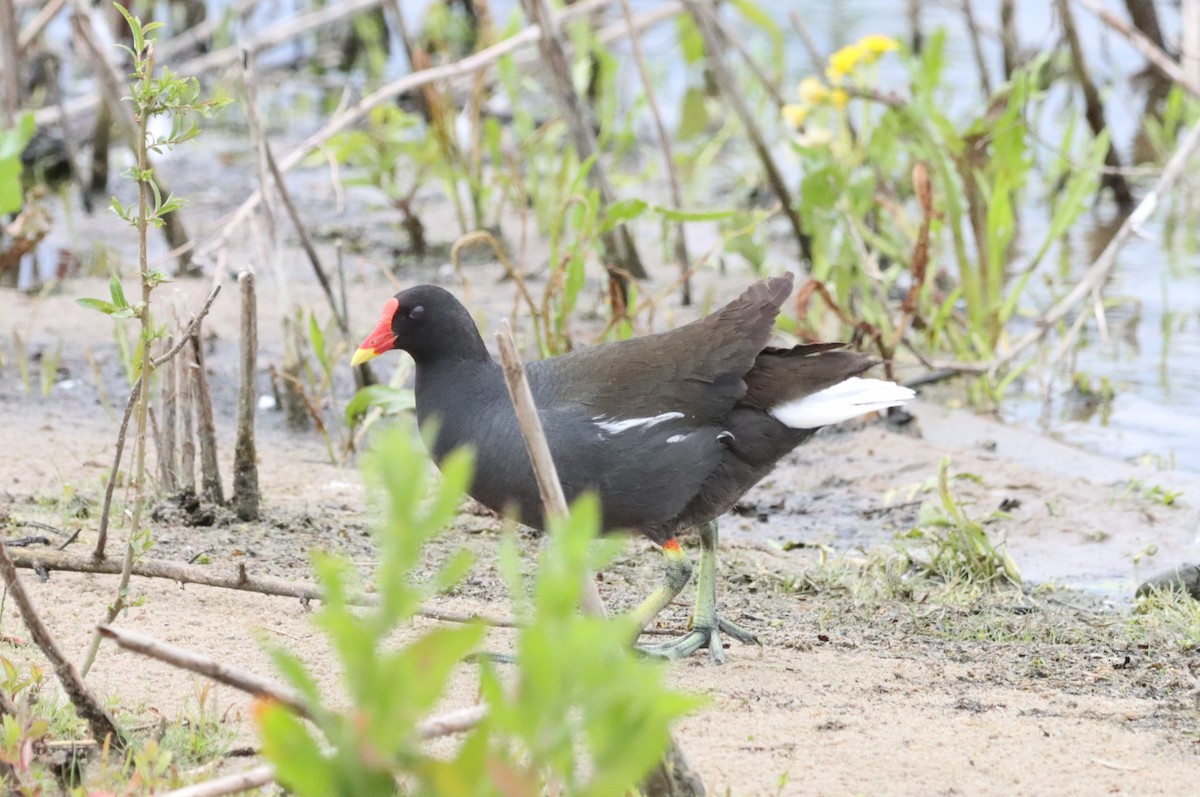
(167, 455)
(620, 251)
(245, 457)
(185, 416)
(206, 428)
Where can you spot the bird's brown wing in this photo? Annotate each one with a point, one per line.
(697, 369)
(783, 375)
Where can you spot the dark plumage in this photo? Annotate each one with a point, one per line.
(669, 429)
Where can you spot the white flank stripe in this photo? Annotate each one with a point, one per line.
(848, 399)
(616, 427)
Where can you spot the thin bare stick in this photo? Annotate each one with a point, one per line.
(1008, 36)
(445, 724)
(110, 486)
(240, 579)
(363, 374)
(704, 13)
(207, 666)
(245, 457)
(553, 499)
(206, 427)
(465, 67)
(197, 35)
(54, 67)
(86, 705)
(454, 721)
(39, 23)
(1145, 45)
(295, 413)
(985, 80)
(735, 39)
(249, 81)
(451, 722)
(395, 17)
(220, 59)
(1094, 107)
(10, 56)
(228, 784)
(620, 251)
(1189, 40)
(1145, 19)
(186, 414)
(916, 35)
(317, 19)
(193, 328)
(1095, 277)
(664, 141)
(303, 24)
(167, 455)
(816, 60)
(83, 25)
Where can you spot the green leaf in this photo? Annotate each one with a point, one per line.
(691, 41)
(135, 27)
(12, 144)
(390, 400)
(693, 114)
(117, 292)
(317, 337)
(13, 141)
(621, 211)
(680, 214)
(299, 763)
(169, 205)
(98, 304)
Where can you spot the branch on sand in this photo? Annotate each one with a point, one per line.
(446, 724)
(86, 705)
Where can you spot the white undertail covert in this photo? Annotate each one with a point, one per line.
(847, 399)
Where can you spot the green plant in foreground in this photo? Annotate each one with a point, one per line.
(582, 715)
(151, 94)
(955, 547)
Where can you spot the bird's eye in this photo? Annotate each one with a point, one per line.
(417, 311)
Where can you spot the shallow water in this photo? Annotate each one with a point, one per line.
(1152, 356)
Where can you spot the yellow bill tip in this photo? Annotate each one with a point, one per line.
(361, 356)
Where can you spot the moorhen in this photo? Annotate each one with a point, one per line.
(669, 429)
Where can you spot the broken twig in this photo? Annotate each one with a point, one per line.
(86, 705)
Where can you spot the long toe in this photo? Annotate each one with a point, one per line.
(688, 644)
(737, 632)
(707, 635)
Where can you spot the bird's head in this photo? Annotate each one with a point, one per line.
(422, 321)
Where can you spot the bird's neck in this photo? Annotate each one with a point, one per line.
(453, 392)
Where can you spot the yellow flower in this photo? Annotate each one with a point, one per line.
(814, 137)
(866, 50)
(839, 98)
(844, 61)
(795, 115)
(878, 44)
(812, 91)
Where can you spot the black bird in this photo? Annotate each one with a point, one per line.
(670, 429)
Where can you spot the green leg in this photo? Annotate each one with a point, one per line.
(677, 573)
(706, 624)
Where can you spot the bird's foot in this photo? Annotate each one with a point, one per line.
(706, 634)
